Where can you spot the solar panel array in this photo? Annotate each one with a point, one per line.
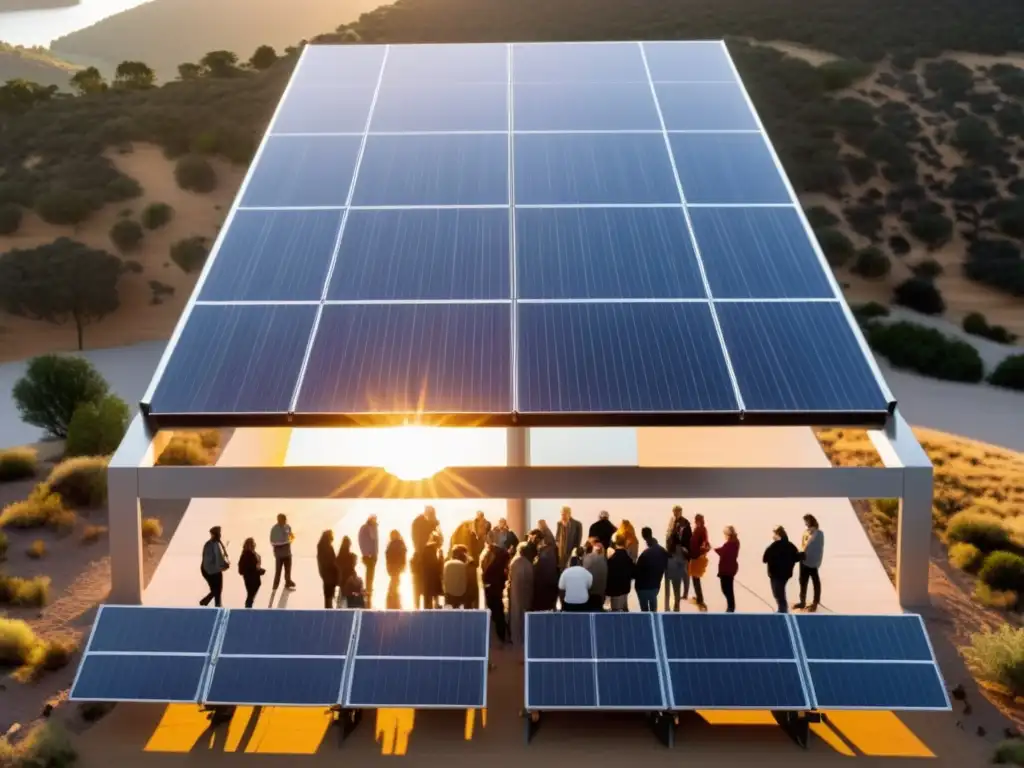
(353, 659)
(730, 661)
(536, 234)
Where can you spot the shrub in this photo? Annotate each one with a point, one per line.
(126, 235)
(18, 464)
(1003, 571)
(41, 509)
(1009, 373)
(25, 593)
(820, 217)
(966, 557)
(842, 73)
(155, 215)
(932, 228)
(927, 269)
(96, 429)
(998, 657)
(37, 549)
(1009, 752)
(92, 533)
(80, 482)
(837, 247)
(17, 640)
(184, 450)
(53, 387)
(920, 295)
(899, 245)
(152, 529)
(210, 439)
(190, 254)
(1003, 600)
(159, 291)
(872, 264)
(984, 531)
(10, 218)
(46, 745)
(195, 174)
(976, 325)
(926, 351)
(869, 311)
(64, 207)
(4, 543)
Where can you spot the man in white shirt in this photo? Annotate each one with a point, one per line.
(574, 584)
(281, 538)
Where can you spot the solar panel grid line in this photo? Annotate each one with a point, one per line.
(693, 239)
(88, 644)
(217, 643)
(221, 235)
(341, 232)
(513, 285)
(801, 661)
(593, 645)
(662, 652)
(851, 320)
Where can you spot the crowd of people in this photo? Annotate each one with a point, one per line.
(545, 570)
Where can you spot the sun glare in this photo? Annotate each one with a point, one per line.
(413, 452)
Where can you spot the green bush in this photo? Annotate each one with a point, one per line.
(820, 217)
(1009, 373)
(18, 464)
(155, 215)
(966, 557)
(927, 269)
(53, 387)
(1009, 752)
(985, 531)
(998, 657)
(46, 745)
(871, 310)
(926, 351)
(837, 247)
(920, 295)
(126, 235)
(1003, 571)
(872, 264)
(24, 593)
(97, 429)
(80, 482)
(42, 509)
(64, 207)
(190, 254)
(195, 174)
(976, 324)
(10, 218)
(842, 73)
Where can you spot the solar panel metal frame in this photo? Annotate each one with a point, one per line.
(595, 662)
(218, 624)
(345, 694)
(514, 417)
(216, 655)
(934, 664)
(797, 662)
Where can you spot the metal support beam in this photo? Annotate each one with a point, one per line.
(518, 440)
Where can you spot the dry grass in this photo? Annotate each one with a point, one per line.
(18, 464)
(37, 550)
(152, 529)
(30, 654)
(42, 509)
(81, 482)
(46, 745)
(190, 449)
(93, 533)
(24, 593)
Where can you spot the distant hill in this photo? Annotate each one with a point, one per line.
(35, 64)
(165, 33)
(35, 5)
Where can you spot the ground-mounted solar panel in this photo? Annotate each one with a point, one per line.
(528, 234)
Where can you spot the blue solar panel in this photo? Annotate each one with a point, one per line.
(334, 67)
(236, 359)
(298, 171)
(325, 109)
(559, 636)
(630, 685)
(139, 678)
(578, 63)
(434, 169)
(624, 636)
(597, 253)
(738, 636)
(594, 168)
(560, 685)
(758, 253)
(273, 256)
(474, 63)
(881, 638)
(441, 107)
(287, 633)
(276, 682)
(705, 107)
(461, 634)
(585, 107)
(620, 358)
(747, 685)
(410, 358)
(153, 630)
(798, 357)
(422, 254)
(450, 683)
(731, 168)
(866, 685)
(692, 62)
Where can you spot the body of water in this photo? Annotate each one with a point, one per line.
(41, 27)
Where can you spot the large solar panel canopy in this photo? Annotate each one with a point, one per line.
(523, 234)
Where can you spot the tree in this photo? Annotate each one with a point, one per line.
(97, 428)
(190, 253)
(929, 269)
(18, 96)
(219, 64)
(920, 295)
(61, 281)
(1009, 373)
(973, 136)
(872, 263)
(64, 207)
(837, 246)
(842, 73)
(134, 75)
(126, 235)
(189, 71)
(263, 58)
(10, 218)
(195, 174)
(932, 228)
(155, 215)
(88, 80)
(53, 387)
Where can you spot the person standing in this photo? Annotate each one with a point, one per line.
(675, 569)
(215, 562)
(574, 584)
(369, 548)
(684, 533)
(481, 527)
(346, 566)
(628, 532)
(545, 577)
(729, 566)
(281, 538)
(620, 575)
(520, 593)
(602, 530)
(813, 548)
(547, 535)
(326, 564)
(781, 557)
(596, 561)
(423, 528)
(650, 570)
(698, 564)
(395, 556)
(568, 535)
(674, 521)
(504, 536)
(453, 578)
(250, 566)
(495, 576)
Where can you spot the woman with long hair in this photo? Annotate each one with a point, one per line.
(729, 566)
(346, 562)
(326, 565)
(628, 533)
(250, 566)
(395, 556)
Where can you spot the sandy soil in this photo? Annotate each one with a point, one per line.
(138, 319)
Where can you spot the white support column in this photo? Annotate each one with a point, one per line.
(518, 456)
(898, 447)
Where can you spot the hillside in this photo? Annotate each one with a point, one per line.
(34, 64)
(35, 5)
(165, 33)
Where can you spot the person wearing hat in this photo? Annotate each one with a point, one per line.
(215, 562)
(781, 557)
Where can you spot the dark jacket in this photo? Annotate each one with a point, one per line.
(346, 565)
(620, 573)
(249, 566)
(602, 530)
(650, 566)
(728, 557)
(395, 556)
(781, 557)
(495, 570)
(421, 530)
(679, 539)
(325, 562)
(545, 579)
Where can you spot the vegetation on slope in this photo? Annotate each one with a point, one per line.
(37, 65)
